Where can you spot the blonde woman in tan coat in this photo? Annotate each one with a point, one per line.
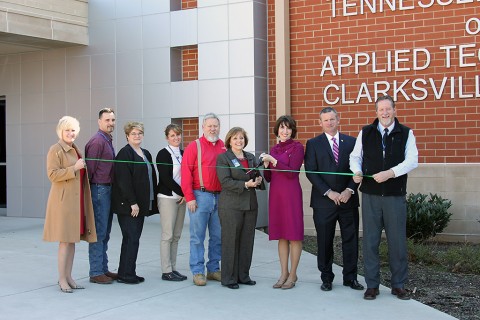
(69, 215)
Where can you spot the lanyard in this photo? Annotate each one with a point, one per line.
(173, 153)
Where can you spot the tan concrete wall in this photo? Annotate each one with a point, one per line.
(459, 183)
(60, 20)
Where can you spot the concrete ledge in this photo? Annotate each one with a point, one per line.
(55, 23)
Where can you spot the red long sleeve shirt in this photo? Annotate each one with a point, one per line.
(190, 178)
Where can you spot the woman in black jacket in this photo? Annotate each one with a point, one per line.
(133, 198)
(170, 202)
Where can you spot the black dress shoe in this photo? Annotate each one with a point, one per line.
(140, 279)
(326, 286)
(401, 293)
(232, 286)
(171, 277)
(353, 284)
(178, 274)
(371, 294)
(248, 283)
(135, 280)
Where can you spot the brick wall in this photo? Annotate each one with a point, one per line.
(190, 130)
(271, 70)
(447, 129)
(189, 4)
(189, 63)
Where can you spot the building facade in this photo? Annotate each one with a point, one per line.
(249, 61)
(424, 53)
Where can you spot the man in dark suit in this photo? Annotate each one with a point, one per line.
(334, 198)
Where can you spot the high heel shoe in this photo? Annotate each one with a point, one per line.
(76, 287)
(64, 290)
(289, 284)
(280, 283)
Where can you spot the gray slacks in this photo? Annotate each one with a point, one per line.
(389, 213)
(238, 234)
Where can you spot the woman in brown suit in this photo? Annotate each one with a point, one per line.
(69, 215)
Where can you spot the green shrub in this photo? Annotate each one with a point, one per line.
(462, 258)
(383, 251)
(421, 253)
(426, 216)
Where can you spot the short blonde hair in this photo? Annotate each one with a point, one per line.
(129, 126)
(66, 123)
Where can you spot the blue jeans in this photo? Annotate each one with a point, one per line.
(205, 215)
(97, 251)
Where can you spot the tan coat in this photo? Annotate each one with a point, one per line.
(62, 220)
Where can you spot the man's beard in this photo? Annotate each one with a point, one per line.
(212, 139)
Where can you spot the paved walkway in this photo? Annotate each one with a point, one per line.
(28, 287)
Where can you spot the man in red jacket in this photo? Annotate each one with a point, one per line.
(201, 191)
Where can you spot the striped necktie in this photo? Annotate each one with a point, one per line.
(335, 150)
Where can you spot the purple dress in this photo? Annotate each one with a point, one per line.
(285, 214)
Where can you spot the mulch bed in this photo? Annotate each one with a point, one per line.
(453, 293)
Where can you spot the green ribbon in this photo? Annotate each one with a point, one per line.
(224, 167)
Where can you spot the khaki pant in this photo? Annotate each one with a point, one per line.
(172, 216)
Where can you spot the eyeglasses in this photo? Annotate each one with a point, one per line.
(136, 134)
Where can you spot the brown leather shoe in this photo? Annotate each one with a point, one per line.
(101, 279)
(401, 293)
(112, 275)
(199, 279)
(217, 275)
(371, 294)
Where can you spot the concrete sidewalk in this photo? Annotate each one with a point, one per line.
(28, 289)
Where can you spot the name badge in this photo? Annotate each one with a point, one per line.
(236, 163)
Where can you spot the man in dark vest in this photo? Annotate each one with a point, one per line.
(385, 151)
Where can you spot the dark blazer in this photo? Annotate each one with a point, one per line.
(166, 184)
(131, 184)
(234, 195)
(319, 157)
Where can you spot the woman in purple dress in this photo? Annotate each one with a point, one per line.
(285, 212)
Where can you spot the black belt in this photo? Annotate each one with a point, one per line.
(102, 184)
(205, 190)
